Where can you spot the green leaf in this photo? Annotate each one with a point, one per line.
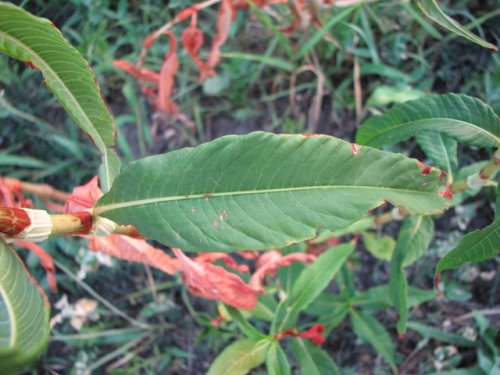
(432, 10)
(317, 276)
(276, 360)
(378, 297)
(441, 149)
(240, 357)
(249, 330)
(440, 335)
(476, 246)
(414, 238)
(379, 247)
(262, 190)
(24, 315)
(460, 117)
(312, 360)
(37, 41)
(370, 330)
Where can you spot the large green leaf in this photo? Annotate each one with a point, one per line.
(373, 332)
(240, 357)
(312, 360)
(262, 190)
(24, 315)
(39, 43)
(461, 117)
(432, 10)
(414, 238)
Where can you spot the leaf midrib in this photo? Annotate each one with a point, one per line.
(140, 202)
(405, 124)
(96, 137)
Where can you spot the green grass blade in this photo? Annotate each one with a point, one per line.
(263, 190)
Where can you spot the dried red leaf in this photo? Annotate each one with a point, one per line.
(271, 261)
(45, 260)
(142, 74)
(192, 40)
(224, 21)
(167, 76)
(134, 250)
(229, 261)
(215, 283)
(84, 197)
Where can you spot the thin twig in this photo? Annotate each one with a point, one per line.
(101, 299)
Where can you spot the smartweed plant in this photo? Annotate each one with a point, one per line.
(245, 194)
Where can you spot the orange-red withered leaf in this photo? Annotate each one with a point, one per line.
(167, 77)
(142, 74)
(84, 197)
(215, 283)
(192, 40)
(224, 21)
(134, 250)
(228, 260)
(269, 263)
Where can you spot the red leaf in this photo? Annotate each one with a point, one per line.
(84, 197)
(269, 263)
(224, 21)
(134, 250)
(215, 283)
(228, 260)
(192, 40)
(45, 260)
(167, 75)
(10, 194)
(140, 74)
(315, 334)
